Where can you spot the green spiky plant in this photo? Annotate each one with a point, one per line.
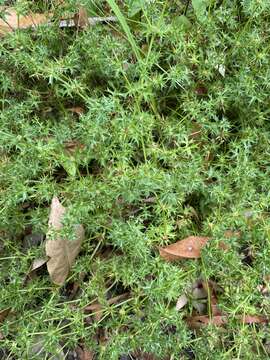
(173, 141)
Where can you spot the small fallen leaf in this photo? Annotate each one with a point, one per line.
(84, 354)
(181, 302)
(62, 252)
(264, 288)
(232, 233)
(72, 146)
(196, 322)
(97, 308)
(201, 90)
(221, 69)
(189, 247)
(3, 314)
(78, 110)
(36, 265)
(12, 20)
(253, 319)
(81, 18)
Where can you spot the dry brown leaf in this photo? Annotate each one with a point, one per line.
(84, 354)
(72, 146)
(97, 308)
(189, 247)
(253, 319)
(81, 18)
(13, 20)
(144, 356)
(196, 322)
(232, 233)
(3, 314)
(77, 110)
(61, 252)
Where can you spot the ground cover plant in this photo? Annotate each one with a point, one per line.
(146, 130)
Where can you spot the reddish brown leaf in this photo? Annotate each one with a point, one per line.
(189, 247)
(76, 110)
(201, 90)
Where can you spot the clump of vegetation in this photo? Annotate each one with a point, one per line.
(149, 129)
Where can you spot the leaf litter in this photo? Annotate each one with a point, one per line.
(61, 251)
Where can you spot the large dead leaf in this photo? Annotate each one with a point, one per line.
(12, 20)
(189, 247)
(62, 252)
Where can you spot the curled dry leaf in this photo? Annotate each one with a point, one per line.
(61, 252)
(13, 20)
(36, 265)
(189, 247)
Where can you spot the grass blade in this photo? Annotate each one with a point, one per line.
(121, 18)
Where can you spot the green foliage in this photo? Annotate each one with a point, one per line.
(162, 121)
